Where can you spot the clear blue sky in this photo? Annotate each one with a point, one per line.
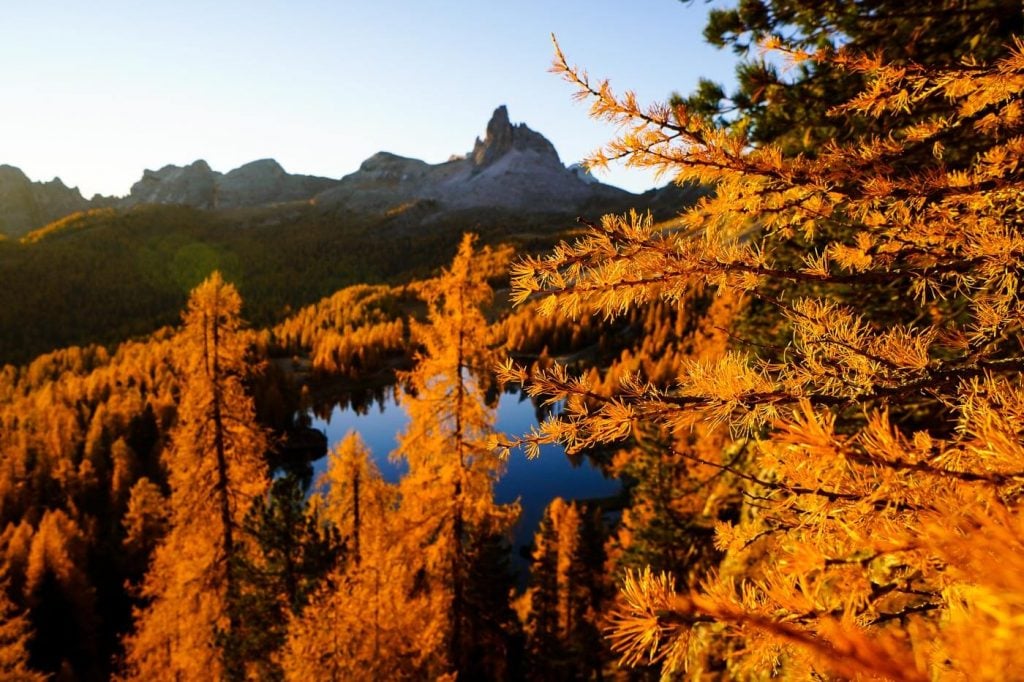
(94, 92)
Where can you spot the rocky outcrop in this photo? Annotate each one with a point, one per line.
(512, 168)
(266, 182)
(26, 205)
(583, 173)
(254, 184)
(193, 185)
(503, 137)
(382, 181)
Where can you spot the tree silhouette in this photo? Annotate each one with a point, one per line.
(565, 594)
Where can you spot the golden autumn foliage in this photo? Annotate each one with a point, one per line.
(368, 621)
(15, 631)
(561, 607)
(404, 602)
(873, 392)
(215, 469)
(354, 330)
(808, 385)
(364, 329)
(447, 498)
(79, 427)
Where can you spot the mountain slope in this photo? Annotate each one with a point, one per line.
(513, 168)
(26, 205)
(102, 275)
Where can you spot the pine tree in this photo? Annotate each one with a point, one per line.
(216, 470)
(293, 551)
(145, 520)
(790, 107)
(61, 600)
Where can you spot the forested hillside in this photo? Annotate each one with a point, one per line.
(807, 380)
(110, 269)
(104, 276)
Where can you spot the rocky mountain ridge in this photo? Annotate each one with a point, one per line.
(197, 185)
(512, 168)
(26, 205)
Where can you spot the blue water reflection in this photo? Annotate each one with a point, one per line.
(533, 482)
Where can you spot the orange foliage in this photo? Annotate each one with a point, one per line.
(877, 390)
(216, 470)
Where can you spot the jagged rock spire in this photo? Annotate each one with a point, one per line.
(503, 137)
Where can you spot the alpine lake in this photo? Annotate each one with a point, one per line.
(534, 483)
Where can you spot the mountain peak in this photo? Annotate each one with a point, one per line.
(513, 168)
(8, 173)
(502, 137)
(256, 183)
(192, 185)
(261, 166)
(26, 205)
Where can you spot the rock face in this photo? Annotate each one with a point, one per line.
(194, 185)
(254, 184)
(27, 205)
(513, 168)
(265, 182)
(503, 137)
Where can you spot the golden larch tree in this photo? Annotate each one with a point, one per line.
(876, 386)
(15, 632)
(447, 497)
(368, 621)
(560, 607)
(399, 605)
(216, 468)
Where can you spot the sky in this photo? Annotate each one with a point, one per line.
(94, 92)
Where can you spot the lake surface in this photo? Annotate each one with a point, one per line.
(533, 482)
